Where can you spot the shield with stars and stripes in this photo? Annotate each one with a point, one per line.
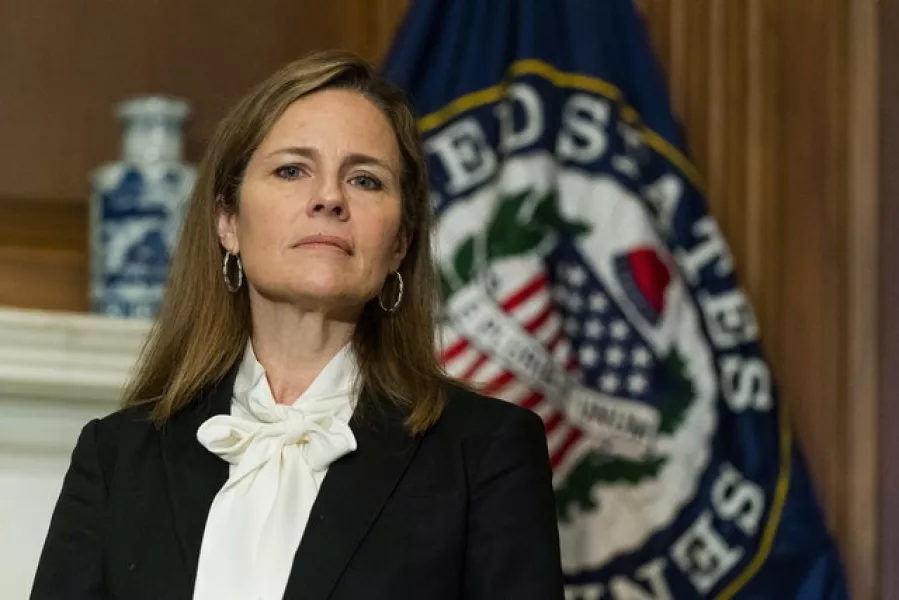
(562, 299)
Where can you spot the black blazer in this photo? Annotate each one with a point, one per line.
(463, 511)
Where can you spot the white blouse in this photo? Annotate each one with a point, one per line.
(279, 455)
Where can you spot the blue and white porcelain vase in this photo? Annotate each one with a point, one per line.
(136, 209)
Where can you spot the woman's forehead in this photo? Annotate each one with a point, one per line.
(334, 120)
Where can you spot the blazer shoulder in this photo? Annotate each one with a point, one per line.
(122, 430)
(471, 413)
(125, 421)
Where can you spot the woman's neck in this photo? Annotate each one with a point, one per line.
(293, 346)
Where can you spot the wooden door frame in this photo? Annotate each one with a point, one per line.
(863, 207)
(872, 406)
(888, 297)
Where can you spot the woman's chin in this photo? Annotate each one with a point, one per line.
(319, 288)
(314, 297)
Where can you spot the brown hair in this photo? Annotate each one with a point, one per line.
(202, 329)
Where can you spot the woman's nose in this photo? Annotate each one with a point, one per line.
(330, 202)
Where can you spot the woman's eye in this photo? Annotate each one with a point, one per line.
(288, 172)
(367, 182)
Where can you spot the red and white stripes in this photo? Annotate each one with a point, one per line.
(531, 305)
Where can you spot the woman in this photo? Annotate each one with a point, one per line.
(289, 432)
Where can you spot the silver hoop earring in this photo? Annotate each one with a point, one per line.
(399, 296)
(231, 287)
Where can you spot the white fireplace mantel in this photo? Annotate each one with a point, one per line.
(57, 372)
(56, 367)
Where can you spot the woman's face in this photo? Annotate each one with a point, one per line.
(318, 222)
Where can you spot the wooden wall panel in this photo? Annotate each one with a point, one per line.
(778, 100)
(43, 255)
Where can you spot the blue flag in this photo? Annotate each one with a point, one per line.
(584, 278)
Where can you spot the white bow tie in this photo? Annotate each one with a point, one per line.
(279, 455)
(248, 444)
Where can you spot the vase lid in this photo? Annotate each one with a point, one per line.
(155, 107)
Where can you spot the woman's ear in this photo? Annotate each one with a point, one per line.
(400, 247)
(226, 225)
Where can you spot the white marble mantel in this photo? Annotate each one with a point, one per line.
(57, 371)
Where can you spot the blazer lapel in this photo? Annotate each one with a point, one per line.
(194, 475)
(349, 501)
